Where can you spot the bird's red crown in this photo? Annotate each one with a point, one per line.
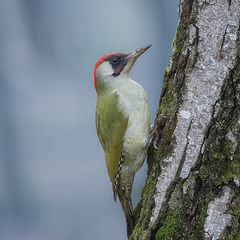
(99, 61)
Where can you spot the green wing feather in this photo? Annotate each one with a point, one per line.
(111, 126)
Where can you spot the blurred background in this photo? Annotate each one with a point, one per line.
(53, 180)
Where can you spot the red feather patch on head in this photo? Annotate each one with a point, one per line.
(117, 70)
(100, 61)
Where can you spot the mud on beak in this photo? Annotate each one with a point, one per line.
(132, 57)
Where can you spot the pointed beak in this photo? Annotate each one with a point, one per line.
(135, 54)
(132, 57)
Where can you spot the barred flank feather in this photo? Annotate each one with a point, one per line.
(115, 182)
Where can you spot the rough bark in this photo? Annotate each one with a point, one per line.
(193, 186)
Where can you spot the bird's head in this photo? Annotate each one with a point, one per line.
(114, 66)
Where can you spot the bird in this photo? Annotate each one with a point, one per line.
(122, 121)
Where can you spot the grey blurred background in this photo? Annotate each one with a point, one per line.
(53, 180)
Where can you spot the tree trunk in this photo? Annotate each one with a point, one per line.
(193, 186)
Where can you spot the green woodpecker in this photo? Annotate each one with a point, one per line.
(122, 123)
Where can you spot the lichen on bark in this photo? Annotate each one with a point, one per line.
(199, 149)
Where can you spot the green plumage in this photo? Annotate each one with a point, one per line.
(122, 123)
(111, 126)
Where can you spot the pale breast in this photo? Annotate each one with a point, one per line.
(133, 102)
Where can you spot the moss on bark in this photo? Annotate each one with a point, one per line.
(168, 105)
(184, 212)
(169, 230)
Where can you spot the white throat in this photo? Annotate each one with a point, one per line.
(105, 78)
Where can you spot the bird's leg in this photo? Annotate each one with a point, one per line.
(156, 130)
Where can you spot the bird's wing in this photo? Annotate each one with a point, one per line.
(111, 126)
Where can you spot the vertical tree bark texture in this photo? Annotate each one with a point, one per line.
(193, 186)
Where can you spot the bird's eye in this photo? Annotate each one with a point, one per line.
(115, 60)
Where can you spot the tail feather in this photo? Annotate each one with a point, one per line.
(122, 187)
(129, 217)
(126, 203)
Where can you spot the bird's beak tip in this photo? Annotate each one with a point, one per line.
(148, 46)
(138, 51)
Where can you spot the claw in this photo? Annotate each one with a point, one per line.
(155, 146)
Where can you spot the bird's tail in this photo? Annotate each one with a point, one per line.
(126, 202)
